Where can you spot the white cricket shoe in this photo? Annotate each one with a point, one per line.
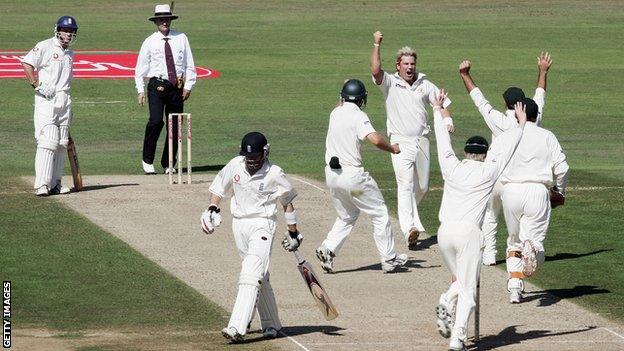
(457, 344)
(270, 333)
(42, 191)
(59, 190)
(515, 286)
(173, 170)
(231, 334)
(148, 168)
(445, 317)
(489, 258)
(327, 258)
(529, 258)
(412, 239)
(395, 264)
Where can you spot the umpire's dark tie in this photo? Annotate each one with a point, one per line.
(170, 64)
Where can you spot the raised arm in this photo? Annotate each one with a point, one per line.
(446, 155)
(504, 147)
(375, 60)
(464, 73)
(543, 64)
(380, 142)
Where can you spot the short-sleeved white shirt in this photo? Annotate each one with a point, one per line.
(255, 196)
(52, 62)
(348, 126)
(406, 105)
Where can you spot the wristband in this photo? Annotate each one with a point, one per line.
(375, 44)
(291, 217)
(214, 208)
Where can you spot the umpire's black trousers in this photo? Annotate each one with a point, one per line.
(163, 98)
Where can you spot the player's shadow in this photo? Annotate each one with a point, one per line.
(552, 296)
(510, 336)
(427, 243)
(105, 186)
(204, 168)
(567, 255)
(411, 263)
(256, 335)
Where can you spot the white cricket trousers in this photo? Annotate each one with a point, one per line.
(254, 239)
(411, 169)
(527, 214)
(461, 243)
(354, 190)
(51, 119)
(490, 220)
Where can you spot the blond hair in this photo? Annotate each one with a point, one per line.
(405, 51)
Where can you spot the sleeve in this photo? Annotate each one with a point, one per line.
(142, 66)
(540, 100)
(34, 56)
(433, 94)
(364, 126)
(190, 72)
(222, 183)
(497, 121)
(446, 156)
(501, 151)
(285, 192)
(386, 83)
(561, 169)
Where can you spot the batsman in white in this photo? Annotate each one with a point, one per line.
(257, 186)
(48, 68)
(538, 167)
(499, 122)
(407, 94)
(352, 189)
(467, 188)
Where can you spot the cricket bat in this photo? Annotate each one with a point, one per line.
(319, 295)
(75, 166)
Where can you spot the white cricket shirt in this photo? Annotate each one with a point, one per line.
(538, 159)
(254, 196)
(348, 126)
(151, 60)
(406, 105)
(52, 62)
(499, 122)
(468, 183)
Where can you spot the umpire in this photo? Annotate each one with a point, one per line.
(166, 59)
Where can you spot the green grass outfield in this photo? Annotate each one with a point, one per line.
(282, 66)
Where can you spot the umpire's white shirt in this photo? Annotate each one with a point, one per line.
(52, 62)
(499, 122)
(406, 105)
(151, 61)
(538, 158)
(348, 126)
(255, 196)
(468, 183)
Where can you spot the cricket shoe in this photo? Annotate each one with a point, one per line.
(326, 257)
(515, 287)
(59, 190)
(457, 344)
(412, 239)
(394, 265)
(148, 168)
(529, 258)
(42, 191)
(489, 258)
(231, 334)
(270, 333)
(445, 317)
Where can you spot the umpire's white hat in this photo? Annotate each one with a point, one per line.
(163, 11)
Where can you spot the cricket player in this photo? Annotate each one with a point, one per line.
(499, 122)
(537, 168)
(352, 189)
(166, 60)
(48, 68)
(258, 185)
(467, 188)
(407, 94)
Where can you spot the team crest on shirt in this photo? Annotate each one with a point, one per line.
(55, 56)
(236, 178)
(261, 188)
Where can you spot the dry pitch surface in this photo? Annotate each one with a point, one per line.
(378, 311)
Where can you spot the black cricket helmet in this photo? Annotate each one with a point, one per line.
(354, 91)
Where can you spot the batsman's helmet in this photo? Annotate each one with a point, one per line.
(354, 91)
(67, 22)
(255, 148)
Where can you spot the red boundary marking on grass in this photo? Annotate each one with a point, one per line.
(91, 64)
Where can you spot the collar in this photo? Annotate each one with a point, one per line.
(161, 36)
(351, 105)
(261, 172)
(57, 43)
(419, 78)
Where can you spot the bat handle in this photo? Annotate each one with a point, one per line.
(299, 257)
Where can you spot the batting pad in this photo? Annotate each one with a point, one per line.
(267, 306)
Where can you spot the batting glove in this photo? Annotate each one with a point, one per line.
(210, 219)
(46, 90)
(292, 240)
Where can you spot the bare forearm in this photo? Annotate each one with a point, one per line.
(375, 64)
(468, 82)
(29, 71)
(380, 142)
(541, 79)
(215, 199)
